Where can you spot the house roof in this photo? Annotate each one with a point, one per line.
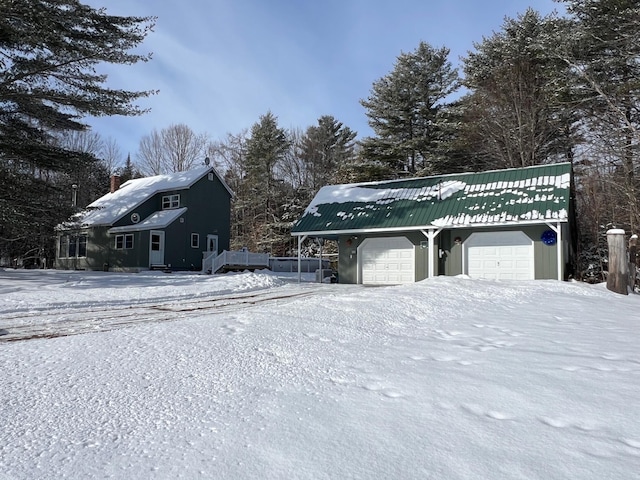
(111, 207)
(160, 219)
(499, 197)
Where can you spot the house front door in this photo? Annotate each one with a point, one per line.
(156, 248)
(212, 243)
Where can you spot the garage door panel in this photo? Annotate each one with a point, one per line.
(386, 261)
(500, 256)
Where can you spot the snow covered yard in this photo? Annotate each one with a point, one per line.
(449, 378)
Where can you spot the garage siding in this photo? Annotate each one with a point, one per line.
(348, 254)
(545, 256)
(545, 259)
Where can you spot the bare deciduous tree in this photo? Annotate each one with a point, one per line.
(111, 154)
(173, 149)
(85, 141)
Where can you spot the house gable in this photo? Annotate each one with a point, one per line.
(141, 192)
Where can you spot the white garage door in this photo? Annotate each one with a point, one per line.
(500, 256)
(386, 261)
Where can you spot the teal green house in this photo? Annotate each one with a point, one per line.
(503, 224)
(161, 222)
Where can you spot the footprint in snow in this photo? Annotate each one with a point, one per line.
(373, 387)
(481, 412)
(233, 329)
(599, 449)
(498, 415)
(388, 392)
(555, 422)
(466, 363)
(572, 368)
(392, 394)
(444, 358)
(318, 337)
(611, 356)
(582, 425)
(631, 443)
(492, 344)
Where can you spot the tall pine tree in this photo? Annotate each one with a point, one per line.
(603, 52)
(50, 54)
(324, 148)
(518, 112)
(262, 211)
(407, 111)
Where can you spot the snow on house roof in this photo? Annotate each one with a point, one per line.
(111, 207)
(512, 196)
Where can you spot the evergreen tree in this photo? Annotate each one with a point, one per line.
(129, 171)
(49, 55)
(324, 148)
(407, 111)
(266, 147)
(518, 112)
(603, 53)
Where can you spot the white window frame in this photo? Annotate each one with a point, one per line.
(124, 240)
(196, 243)
(170, 202)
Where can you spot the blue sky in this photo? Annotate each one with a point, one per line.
(220, 64)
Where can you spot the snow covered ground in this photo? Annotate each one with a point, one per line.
(253, 376)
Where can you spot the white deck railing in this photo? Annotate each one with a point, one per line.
(212, 263)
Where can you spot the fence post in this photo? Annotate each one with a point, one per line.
(633, 259)
(618, 277)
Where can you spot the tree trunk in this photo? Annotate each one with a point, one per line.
(618, 276)
(633, 259)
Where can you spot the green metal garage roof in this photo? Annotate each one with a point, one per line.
(501, 197)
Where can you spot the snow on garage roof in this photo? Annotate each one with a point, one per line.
(533, 194)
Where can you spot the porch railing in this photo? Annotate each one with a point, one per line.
(212, 263)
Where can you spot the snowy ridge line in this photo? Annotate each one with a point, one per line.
(76, 322)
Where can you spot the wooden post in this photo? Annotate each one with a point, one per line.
(633, 259)
(618, 277)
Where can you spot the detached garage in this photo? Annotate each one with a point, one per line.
(514, 224)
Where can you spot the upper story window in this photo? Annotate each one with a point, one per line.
(170, 201)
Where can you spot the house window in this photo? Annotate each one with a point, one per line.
(82, 246)
(124, 241)
(195, 240)
(73, 246)
(64, 246)
(170, 201)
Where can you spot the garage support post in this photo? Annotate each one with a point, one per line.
(558, 229)
(431, 235)
(300, 240)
